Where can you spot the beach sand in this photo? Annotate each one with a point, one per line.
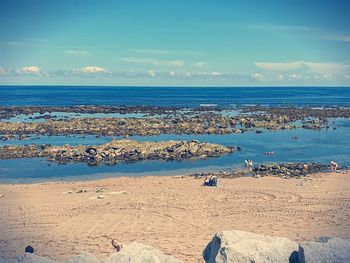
(174, 214)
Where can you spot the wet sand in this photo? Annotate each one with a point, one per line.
(176, 215)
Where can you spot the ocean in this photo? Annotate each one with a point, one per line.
(172, 96)
(312, 145)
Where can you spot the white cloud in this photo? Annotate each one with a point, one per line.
(327, 76)
(295, 76)
(31, 70)
(201, 64)
(328, 67)
(279, 66)
(25, 42)
(92, 69)
(3, 71)
(280, 77)
(154, 62)
(202, 73)
(172, 76)
(152, 73)
(149, 51)
(163, 51)
(258, 77)
(191, 53)
(77, 52)
(316, 67)
(341, 38)
(270, 27)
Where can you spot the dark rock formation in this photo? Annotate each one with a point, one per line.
(116, 151)
(168, 121)
(285, 170)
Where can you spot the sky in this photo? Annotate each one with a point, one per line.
(175, 43)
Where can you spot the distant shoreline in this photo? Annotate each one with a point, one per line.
(169, 86)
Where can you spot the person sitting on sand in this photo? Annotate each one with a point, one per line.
(333, 166)
(206, 180)
(116, 245)
(212, 181)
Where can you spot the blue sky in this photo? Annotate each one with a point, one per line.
(175, 43)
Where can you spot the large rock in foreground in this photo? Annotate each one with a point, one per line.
(132, 253)
(139, 253)
(335, 250)
(33, 258)
(245, 247)
(83, 257)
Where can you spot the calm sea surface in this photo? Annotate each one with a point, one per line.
(312, 146)
(170, 96)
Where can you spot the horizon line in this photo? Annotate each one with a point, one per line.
(169, 86)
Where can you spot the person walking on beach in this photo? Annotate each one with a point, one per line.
(248, 164)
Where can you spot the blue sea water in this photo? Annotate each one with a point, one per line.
(171, 96)
(312, 145)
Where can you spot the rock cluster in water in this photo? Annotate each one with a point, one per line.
(12, 111)
(206, 123)
(169, 121)
(285, 170)
(297, 113)
(116, 151)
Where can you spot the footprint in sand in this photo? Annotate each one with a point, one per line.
(294, 198)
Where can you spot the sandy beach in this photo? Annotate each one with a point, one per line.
(174, 214)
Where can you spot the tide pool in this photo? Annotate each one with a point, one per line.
(311, 146)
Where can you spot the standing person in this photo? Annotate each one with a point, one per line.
(251, 163)
(248, 164)
(333, 166)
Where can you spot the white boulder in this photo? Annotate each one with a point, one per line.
(245, 247)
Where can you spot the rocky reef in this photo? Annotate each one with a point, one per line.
(208, 123)
(11, 111)
(163, 120)
(285, 170)
(297, 113)
(116, 151)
